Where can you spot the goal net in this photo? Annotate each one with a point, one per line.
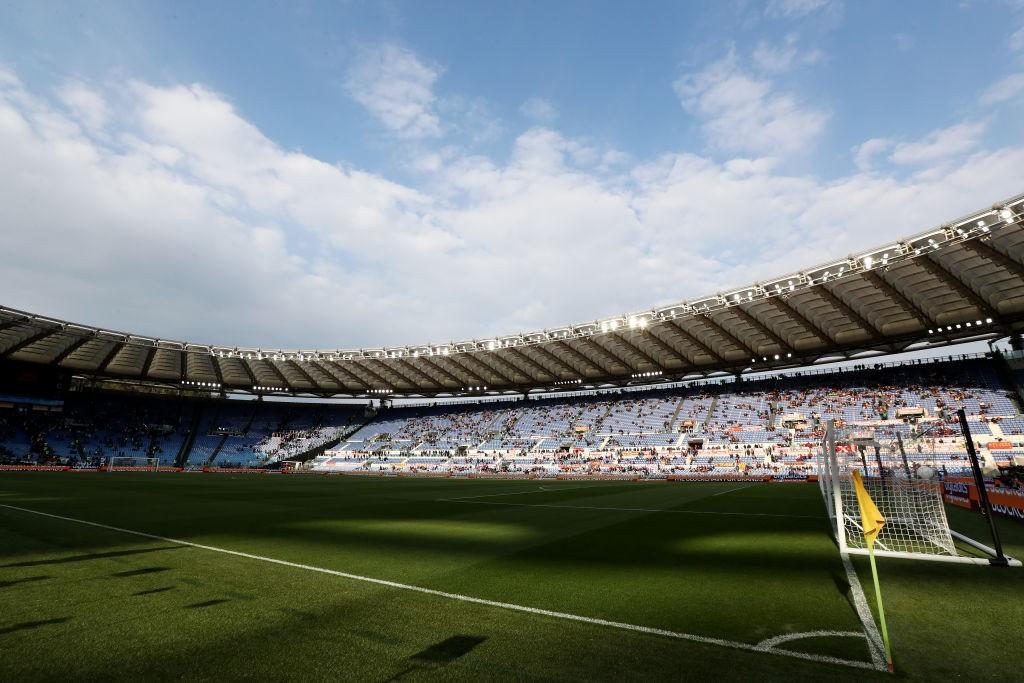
(130, 463)
(902, 478)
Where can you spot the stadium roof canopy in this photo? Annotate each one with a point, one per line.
(958, 282)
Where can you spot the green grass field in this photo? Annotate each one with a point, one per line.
(736, 563)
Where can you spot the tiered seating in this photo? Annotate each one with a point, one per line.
(742, 427)
(1012, 426)
(772, 423)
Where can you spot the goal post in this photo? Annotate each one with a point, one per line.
(916, 523)
(128, 463)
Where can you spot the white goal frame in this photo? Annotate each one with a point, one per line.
(916, 524)
(125, 463)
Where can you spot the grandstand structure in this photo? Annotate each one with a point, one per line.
(960, 281)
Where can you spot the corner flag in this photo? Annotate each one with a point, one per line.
(871, 519)
(872, 522)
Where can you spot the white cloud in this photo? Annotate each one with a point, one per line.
(1017, 40)
(744, 113)
(1004, 90)
(864, 154)
(940, 144)
(180, 218)
(539, 109)
(795, 8)
(472, 119)
(781, 58)
(397, 88)
(86, 104)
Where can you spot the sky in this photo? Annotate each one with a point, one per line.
(356, 174)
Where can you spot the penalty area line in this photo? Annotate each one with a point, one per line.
(761, 648)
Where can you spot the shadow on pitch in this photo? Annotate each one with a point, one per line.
(27, 579)
(89, 556)
(140, 572)
(29, 625)
(440, 654)
(207, 603)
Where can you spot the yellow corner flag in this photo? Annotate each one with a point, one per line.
(873, 521)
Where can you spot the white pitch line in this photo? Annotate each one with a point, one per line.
(722, 493)
(786, 637)
(860, 603)
(622, 509)
(721, 642)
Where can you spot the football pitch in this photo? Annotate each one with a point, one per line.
(142, 575)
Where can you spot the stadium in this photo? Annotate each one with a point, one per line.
(818, 474)
(654, 396)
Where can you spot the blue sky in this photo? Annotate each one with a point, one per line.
(329, 175)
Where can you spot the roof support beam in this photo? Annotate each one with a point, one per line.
(340, 373)
(75, 345)
(150, 355)
(588, 342)
(761, 327)
(577, 354)
(553, 358)
(957, 285)
(473, 375)
(508, 368)
(245, 368)
(729, 336)
(883, 285)
(114, 350)
(500, 373)
(216, 370)
(833, 299)
(513, 351)
(983, 248)
(389, 367)
(621, 338)
(668, 348)
(280, 375)
(13, 323)
(780, 304)
(305, 375)
(429, 360)
(698, 343)
(369, 371)
(430, 380)
(38, 336)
